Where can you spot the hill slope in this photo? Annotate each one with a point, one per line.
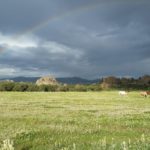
(67, 80)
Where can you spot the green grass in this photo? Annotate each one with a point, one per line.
(75, 120)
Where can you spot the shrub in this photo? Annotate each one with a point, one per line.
(20, 87)
(6, 86)
(63, 88)
(80, 88)
(48, 88)
(32, 87)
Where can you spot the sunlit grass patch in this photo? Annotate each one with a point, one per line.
(75, 120)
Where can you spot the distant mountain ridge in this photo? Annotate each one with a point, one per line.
(67, 80)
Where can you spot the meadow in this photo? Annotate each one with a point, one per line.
(74, 121)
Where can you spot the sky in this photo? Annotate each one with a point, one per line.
(66, 38)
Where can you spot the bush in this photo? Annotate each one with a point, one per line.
(63, 88)
(48, 88)
(94, 87)
(80, 88)
(6, 86)
(32, 87)
(22, 87)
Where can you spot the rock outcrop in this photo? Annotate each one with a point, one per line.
(47, 80)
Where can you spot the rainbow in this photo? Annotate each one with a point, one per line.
(62, 15)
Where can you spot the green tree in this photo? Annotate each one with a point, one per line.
(6, 86)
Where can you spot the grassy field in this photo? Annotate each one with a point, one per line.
(74, 121)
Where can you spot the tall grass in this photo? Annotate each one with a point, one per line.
(74, 121)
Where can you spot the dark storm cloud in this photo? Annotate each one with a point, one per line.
(91, 39)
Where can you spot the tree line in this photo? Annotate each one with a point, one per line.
(141, 83)
(31, 87)
(108, 83)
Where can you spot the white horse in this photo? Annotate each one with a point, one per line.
(122, 93)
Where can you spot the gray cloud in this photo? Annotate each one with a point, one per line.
(91, 39)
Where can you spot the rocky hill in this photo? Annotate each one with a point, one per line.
(47, 80)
